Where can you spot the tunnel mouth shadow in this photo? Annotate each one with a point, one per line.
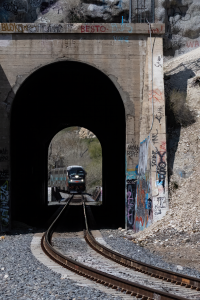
(56, 96)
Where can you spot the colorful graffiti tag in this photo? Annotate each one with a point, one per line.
(131, 193)
(143, 205)
(143, 208)
(131, 181)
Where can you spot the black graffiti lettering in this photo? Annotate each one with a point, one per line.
(133, 149)
(153, 160)
(131, 193)
(149, 205)
(161, 203)
(159, 115)
(155, 137)
(4, 205)
(161, 168)
(158, 62)
(52, 28)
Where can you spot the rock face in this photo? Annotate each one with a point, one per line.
(59, 11)
(182, 20)
(181, 17)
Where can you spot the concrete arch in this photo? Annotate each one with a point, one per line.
(128, 104)
(55, 96)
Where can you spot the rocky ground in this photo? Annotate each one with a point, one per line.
(23, 277)
(75, 247)
(168, 249)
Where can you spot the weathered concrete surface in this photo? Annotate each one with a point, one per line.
(123, 53)
(181, 17)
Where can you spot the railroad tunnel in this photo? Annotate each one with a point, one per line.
(54, 97)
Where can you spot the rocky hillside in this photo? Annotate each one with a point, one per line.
(176, 236)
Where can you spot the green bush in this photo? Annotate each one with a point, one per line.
(95, 150)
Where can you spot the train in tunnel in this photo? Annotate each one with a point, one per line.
(71, 179)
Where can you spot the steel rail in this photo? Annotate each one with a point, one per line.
(173, 277)
(135, 289)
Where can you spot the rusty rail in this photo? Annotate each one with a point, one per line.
(111, 281)
(178, 279)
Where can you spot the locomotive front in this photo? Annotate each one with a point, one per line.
(76, 179)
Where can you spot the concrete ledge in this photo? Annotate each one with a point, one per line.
(100, 28)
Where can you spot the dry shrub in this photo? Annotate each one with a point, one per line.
(177, 103)
(196, 81)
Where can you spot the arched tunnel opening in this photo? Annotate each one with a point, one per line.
(75, 167)
(56, 96)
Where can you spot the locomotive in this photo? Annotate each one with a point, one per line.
(71, 179)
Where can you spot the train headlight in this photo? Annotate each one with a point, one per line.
(71, 180)
(76, 176)
(82, 179)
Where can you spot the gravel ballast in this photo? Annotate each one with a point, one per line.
(115, 238)
(23, 277)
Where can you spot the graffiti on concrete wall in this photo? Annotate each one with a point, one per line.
(161, 168)
(121, 38)
(132, 173)
(155, 137)
(159, 113)
(160, 204)
(154, 158)
(159, 62)
(132, 149)
(157, 95)
(4, 205)
(144, 207)
(131, 193)
(159, 162)
(143, 156)
(131, 180)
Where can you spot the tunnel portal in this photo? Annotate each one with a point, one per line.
(56, 96)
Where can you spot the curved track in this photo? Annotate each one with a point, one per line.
(115, 282)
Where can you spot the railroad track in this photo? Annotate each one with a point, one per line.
(115, 282)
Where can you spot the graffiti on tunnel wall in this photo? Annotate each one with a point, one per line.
(143, 205)
(131, 181)
(4, 205)
(131, 193)
(143, 156)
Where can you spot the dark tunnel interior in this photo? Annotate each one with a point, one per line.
(56, 96)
